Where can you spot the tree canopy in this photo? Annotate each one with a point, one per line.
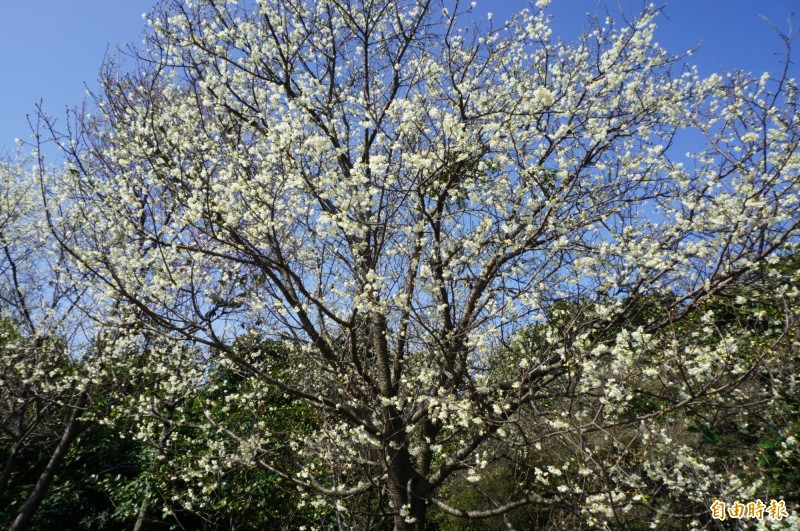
(422, 269)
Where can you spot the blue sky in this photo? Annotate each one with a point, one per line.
(51, 50)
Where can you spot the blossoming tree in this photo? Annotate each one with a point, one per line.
(42, 393)
(474, 241)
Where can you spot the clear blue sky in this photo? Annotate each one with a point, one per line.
(50, 50)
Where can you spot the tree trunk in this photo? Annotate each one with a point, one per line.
(407, 488)
(7, 468)
(71, 432)
(141, 518)
(408, 491)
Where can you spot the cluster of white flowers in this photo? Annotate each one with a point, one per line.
(465, 248)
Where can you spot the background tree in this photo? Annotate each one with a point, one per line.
(726, 433)
(57, 363)
(47, 369)
(396, 194)
(74, 454)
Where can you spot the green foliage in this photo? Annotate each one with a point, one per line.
(80, 496)
(707, 434)
(108, 472)
(779, 456)
(759, 444)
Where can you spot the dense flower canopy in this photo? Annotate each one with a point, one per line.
(477, 247)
